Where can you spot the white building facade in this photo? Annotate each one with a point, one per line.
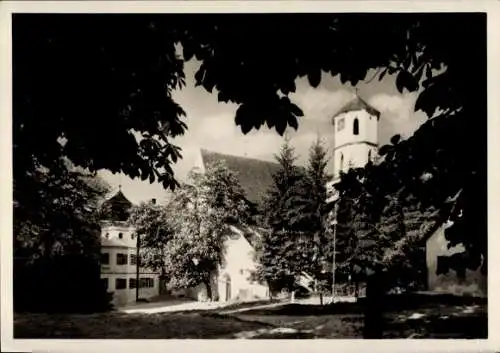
(119, 258)
(232, 281)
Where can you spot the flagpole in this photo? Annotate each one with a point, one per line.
(334, 262)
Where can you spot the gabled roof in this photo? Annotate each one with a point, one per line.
(357, 104)
(255, 175)
(248, 233)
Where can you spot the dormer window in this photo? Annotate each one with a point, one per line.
(355, 127)
(120, 236)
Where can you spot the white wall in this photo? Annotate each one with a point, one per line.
(111, 234)
(127, 295)
(474, 282)
(112, 244)
(239, 265)
(354, 148)
(357, 154)
(368, 128)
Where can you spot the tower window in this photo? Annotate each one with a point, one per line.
(120, 235)
(341, 161)
(369, 155)
(355, 127)
(340, 124)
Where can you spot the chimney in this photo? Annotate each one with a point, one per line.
(153, 201)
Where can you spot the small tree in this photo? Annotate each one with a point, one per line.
(200, 214)
(154, 232)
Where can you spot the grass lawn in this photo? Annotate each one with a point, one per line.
(405, 317)
(415, 316)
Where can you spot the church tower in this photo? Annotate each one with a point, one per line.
(355, 136)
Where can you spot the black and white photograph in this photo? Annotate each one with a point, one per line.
(249, 175)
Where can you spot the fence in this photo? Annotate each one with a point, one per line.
(350, 290)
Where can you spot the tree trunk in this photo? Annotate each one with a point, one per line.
(374, 321)
(208, 285)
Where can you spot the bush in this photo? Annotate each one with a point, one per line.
(69, 283)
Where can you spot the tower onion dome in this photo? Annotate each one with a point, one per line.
(116, 208)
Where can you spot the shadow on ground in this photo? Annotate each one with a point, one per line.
(405, 316)
(130, 326)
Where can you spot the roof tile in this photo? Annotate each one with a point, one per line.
(255, 175)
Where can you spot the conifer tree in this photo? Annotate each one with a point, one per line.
(277, 253)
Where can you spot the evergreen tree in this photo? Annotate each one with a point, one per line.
(279, 263)
(308, 212)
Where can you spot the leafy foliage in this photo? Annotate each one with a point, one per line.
(383, 224)
(57, 235)
(135, 62)
(56, 212)
(152, 226)
(98, 92)
(134, 59)
(199, 216)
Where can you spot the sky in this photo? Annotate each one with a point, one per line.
(211, 125)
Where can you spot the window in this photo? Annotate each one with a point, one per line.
(105, 283)
(121, 283)
(146, 283)
(105, 258)
(341, 161)
(340, 124)
(120, 235)
(133, 259)
(107, 235)
(132, 283)
(355, 127)
(121, 259)
(369, 155)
